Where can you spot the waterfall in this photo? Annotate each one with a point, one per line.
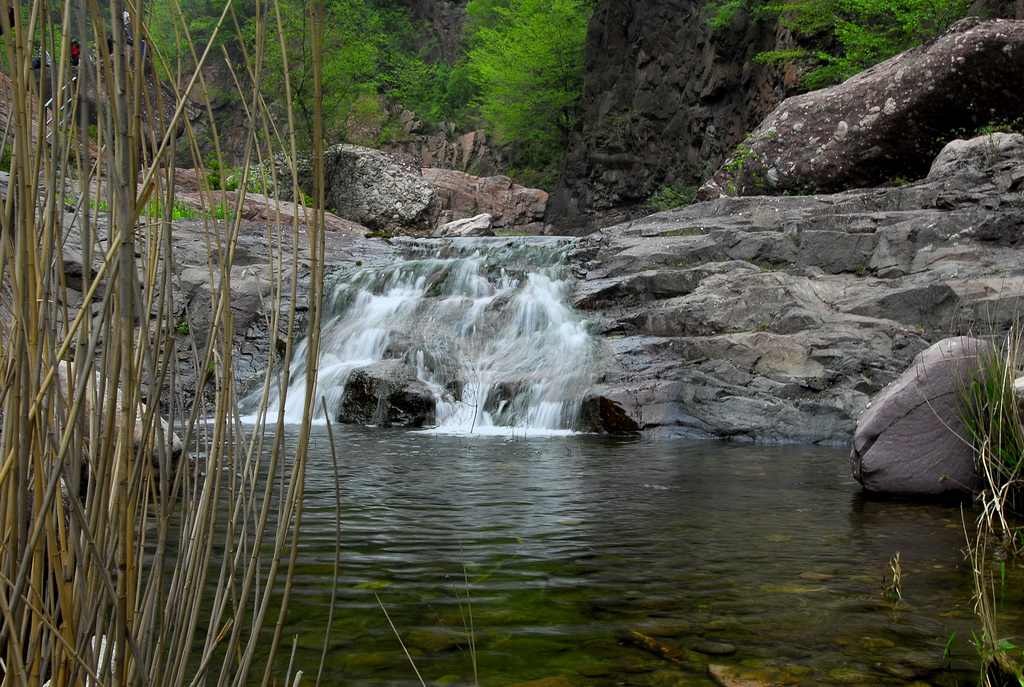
(484, 324)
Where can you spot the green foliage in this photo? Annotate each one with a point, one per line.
(672, 197)
(528, 66)
(179, 211)
(848, 35)
(519, 75)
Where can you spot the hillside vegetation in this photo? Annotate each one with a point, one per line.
(519, 74)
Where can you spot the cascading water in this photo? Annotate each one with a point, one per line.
(483, 323)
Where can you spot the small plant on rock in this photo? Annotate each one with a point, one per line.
(671, 197)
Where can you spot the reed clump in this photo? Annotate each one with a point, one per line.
(122, 562)
(993, 419)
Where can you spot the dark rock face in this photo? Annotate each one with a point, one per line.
(778, 318)
(910, 440)
(885, 122)
(665, 101)
(387, 394)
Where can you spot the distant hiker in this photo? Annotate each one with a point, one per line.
(76, 53)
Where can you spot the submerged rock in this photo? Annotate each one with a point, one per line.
(387, 394)
(911, 440)
(883, 123)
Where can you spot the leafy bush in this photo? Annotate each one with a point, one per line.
(672, 197)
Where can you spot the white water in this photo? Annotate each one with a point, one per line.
(488, 316)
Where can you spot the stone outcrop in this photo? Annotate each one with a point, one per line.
(481, 225)
(666, 99)
(886, 122)
(778, 318)
(462, 195)
(387, 394)
(911, 440)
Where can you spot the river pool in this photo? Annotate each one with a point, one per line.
(589, 560)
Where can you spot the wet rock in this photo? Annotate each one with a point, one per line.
(884, 122)
(472, 226)
(387, 394)
(606, 415)
(910, 439)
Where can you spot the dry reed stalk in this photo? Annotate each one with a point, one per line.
(108, 541)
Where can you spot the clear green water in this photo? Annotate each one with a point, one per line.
(765, 559)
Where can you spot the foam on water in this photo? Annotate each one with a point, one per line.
(486, 324)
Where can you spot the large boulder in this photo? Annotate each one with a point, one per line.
(462, 195)
(886, 122)
(387, 394)
(377, 190)
(910, 441)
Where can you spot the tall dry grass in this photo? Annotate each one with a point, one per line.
(993, 418)
(121, 563)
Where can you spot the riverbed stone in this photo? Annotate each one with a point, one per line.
(911, 439)
(729, 676)
(387, 394)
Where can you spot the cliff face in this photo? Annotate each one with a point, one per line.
(445, 18)
(666, 98)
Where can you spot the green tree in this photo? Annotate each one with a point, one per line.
(527, 61)
(353, 50)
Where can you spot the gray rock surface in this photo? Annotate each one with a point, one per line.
(387, 394)
(778, 318)
(481, 225)
(886, 122)
(911, 440)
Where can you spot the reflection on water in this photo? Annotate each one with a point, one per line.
(767, 559)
